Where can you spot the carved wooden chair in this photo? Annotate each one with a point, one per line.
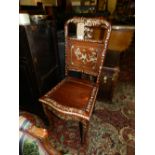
(73, 98)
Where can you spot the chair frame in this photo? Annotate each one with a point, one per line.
(69, 113)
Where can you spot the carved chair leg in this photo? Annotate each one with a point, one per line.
(93, 110)
(84, 126)
(49, 116)
(46, 113)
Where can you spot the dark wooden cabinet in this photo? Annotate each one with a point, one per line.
(39, 68)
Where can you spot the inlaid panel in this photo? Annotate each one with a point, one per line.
(84, 56)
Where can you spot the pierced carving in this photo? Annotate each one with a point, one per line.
(88, 33)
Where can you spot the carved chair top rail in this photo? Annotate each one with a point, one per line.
(96, 21)
(89, 22)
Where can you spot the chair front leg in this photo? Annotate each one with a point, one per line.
(84, 126)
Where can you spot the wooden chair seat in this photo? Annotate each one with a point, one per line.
(72, 96)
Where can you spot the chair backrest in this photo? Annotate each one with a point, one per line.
(86, 55)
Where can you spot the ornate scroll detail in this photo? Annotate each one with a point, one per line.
(89, 21)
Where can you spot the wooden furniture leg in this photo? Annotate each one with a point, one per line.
(84, 126)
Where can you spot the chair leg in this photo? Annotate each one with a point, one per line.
(46, 113)
(50, 117)
(84, 132)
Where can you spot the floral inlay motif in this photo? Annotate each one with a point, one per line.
(84, 56)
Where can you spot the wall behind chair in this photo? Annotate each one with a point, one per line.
(112, 5)
(34, 2)
(28, 2)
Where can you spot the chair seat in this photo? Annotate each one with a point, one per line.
(72, 96)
